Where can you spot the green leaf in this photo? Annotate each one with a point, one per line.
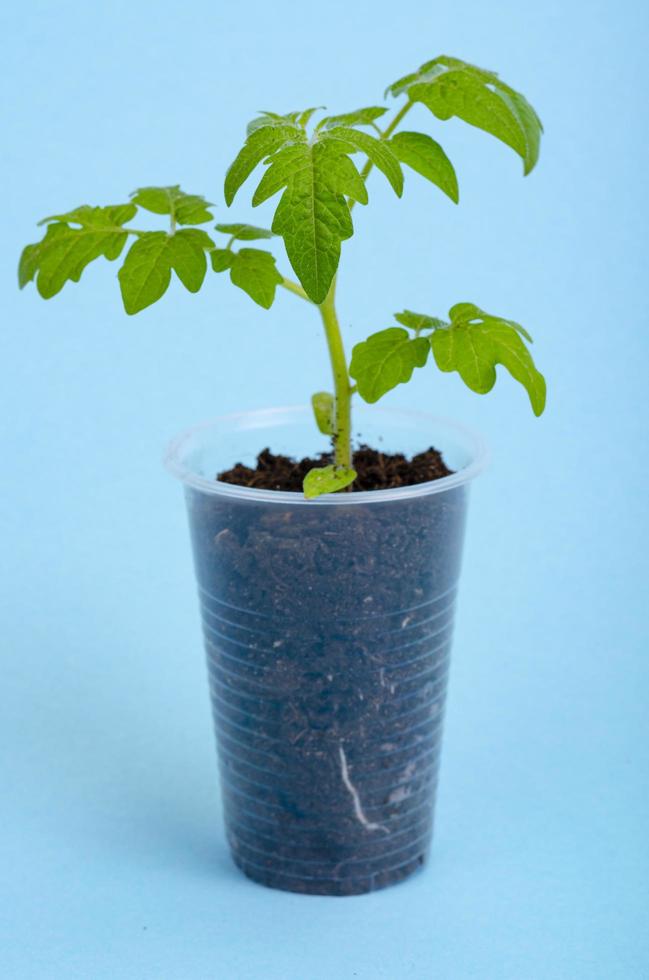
(261, 142)
(327, 479)
(146, 272)
(245, 233)
(304, 117)
(251, 269)
(64, 252)
(313, 215)
(323, 409)
(385, 360)
(95, 217)
(450, 87)
(528, 121)
(276, 119)
(28, 264)
(282, 165)
(254, 271)
(221, 258)
(359, 117)
(379, 152)
(427, 157)
(434, 67)
(185, 209)
(470, 312)
(317, 180)
(418, 321)
(344, 178)
(475, 342)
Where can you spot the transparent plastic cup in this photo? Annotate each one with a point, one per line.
(328, 627)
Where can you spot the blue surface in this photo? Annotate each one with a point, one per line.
(113, 858)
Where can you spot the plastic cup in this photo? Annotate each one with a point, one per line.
(328, 627)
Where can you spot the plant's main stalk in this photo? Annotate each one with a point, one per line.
(343, 388)
(342, 385)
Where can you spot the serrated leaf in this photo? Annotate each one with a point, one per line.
(146, 272)
(315, 178)
(323, 409)
(261, 142)
(304, 117)
(313, 216)
(244, 233)
(345, 179)
(335, 168)
(436, 66)
(474, 343)
(426, 157)
(221, 259)
(379, 152)
(187, 256)
(327, 479)
(283, 164)
(273, 119)
(359, 117)
(95, 217)
(418, 321)
(451, 87)
(197, 235)
(254, 271)
(28, 264)
(465, 311)
(470, 312)
(386, 359)
(64, 252)
(528, 121)
(185, 209)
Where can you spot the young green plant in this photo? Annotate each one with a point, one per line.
(312, 167)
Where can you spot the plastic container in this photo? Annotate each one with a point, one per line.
(328, 629)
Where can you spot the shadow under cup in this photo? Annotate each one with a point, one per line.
(328, 627)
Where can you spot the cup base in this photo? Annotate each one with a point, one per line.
(336, 887)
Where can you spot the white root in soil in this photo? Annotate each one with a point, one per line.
(353, 792)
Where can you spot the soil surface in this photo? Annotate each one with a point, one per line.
(376, 470)
(328, 632)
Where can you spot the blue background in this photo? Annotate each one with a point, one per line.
(114, 862)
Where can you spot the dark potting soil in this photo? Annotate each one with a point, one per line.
(375, 470)
(328, 633)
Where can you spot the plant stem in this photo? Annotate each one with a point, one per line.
(342, 387)
(388, 131)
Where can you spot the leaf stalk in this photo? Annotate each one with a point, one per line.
(295, 288)
(384, 134)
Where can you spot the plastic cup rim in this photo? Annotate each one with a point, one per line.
(174, 462)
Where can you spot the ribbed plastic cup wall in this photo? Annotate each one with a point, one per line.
(328, 628)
